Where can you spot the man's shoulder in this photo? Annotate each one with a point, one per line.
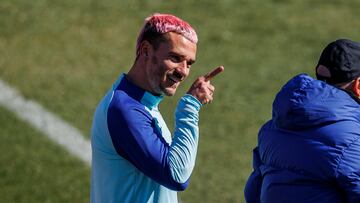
(122, 99)
(123, 103)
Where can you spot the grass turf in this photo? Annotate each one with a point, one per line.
(34, 169)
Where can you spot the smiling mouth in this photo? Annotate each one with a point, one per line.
(173, 79)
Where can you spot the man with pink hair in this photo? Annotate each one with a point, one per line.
(135, 158)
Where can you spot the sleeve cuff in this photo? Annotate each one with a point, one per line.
(188, 98)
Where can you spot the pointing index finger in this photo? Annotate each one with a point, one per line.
(213, 73)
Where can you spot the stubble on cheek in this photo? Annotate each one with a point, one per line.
(154, 60)
(157, 76)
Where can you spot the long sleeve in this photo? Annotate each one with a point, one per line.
(186, 135)
(136, 137)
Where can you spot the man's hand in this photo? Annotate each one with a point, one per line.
(202, 89)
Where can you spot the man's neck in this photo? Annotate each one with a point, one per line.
(136, 77)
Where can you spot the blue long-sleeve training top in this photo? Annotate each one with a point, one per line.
(134, 156)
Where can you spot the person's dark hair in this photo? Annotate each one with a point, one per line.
(153, 37)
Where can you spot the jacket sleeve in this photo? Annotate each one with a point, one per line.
(348, 172)
(253, 185)
(186, 135)
(136, 137)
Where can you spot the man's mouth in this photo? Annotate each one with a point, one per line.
(173, 79)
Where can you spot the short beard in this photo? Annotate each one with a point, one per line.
(159, 90)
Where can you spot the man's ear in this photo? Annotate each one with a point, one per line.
(356, 87)
(145, 48)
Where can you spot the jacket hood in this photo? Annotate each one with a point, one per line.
(306, 103)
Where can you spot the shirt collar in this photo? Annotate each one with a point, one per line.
(144, 97)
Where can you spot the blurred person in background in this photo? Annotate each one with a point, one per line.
(310, 150)
(135, 158)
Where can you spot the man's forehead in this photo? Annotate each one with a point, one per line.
(181, 45)
(178, 44)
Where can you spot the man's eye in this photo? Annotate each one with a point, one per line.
(176, 59)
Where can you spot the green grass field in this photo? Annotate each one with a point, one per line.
(33, 169)
(65, 54)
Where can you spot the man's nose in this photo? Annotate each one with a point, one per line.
(183, 69)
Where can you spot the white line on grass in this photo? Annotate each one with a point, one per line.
(46, 122)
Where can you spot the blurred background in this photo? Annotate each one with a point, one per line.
(65, 54)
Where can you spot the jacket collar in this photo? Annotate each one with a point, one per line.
(144, 97)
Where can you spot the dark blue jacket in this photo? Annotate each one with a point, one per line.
(310, 150)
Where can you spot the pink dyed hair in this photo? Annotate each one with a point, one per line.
(164, 23)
